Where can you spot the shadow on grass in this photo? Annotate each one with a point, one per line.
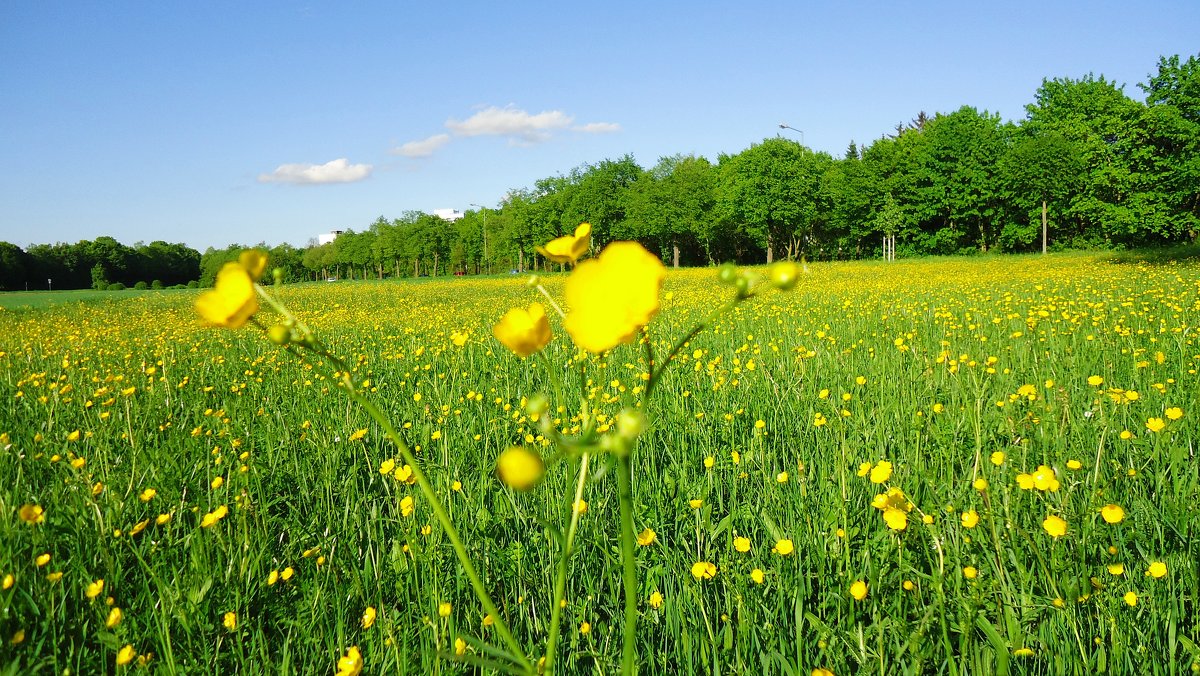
(1157, 256)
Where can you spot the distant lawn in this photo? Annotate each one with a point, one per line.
(33, 300)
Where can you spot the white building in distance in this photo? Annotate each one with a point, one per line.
(450, 215)
(328, 237)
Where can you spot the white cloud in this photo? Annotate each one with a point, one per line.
(335, 171)
(599, 128)
(424, 147)
(511, 122)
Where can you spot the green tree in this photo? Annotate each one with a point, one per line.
(1172, 124)
(1038, 171)
(769, 191)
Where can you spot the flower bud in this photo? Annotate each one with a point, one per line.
(783, 275)
(727, 273)
(537, 404)
(520, 468)
(742, 284)
(630, 423)
(280, 334)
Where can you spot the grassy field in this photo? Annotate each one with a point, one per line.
(982, 465)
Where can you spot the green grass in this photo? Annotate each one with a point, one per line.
(929, 405)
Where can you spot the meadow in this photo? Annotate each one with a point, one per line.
(944, 466)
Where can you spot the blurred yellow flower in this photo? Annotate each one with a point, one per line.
(1055, 526)
(230, 621)
(114, 617)
(8, 582)
(656, 600)
(970, 518)
(568, 248)
(646, 537)
(125, 655)
(1174, 413)
(703, 570)
(1155, 424)
(407, 505)
(1095, 381)
(368, 617)
(351, 663)
(94, 589)
(1131, 598)
(757, 576)
(613, 296)
(42, 560)
(784, 547)
(254, 262)
(232, 301)
(444, 609)
(741, 544)
(147, 495)
(525, 332)
(1116, 569)
(520, 468)
(997, 458)
(1157, 569)
(858, 590)
(32, 514)
(970, 572)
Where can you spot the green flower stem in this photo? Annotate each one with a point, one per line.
(560, 581)
(444, 519)
(656, 374)
(625, 488)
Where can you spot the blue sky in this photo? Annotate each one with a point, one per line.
(230, 122)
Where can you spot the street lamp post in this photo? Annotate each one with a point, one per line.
(485, 260)
(785, 125)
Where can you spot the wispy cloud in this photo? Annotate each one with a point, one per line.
(424, 147)
(599, 128)
(334, 171)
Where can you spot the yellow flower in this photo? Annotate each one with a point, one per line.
(520, 468)
(896, 519)
(1074, 464)
(703, 570)
(585, 628)
(757, 576)
(980, 484)
(1025, 481)
(287, 573)
(1112, 513)
(147, 495)
(351, 663)
(407, 505)
(114, 617)
(581, 506)
(32, 514)
(42, 560)
(970, 572)
(1044, 479)
(95, 589)
(230, 621)
(460, 647)
(781, 478)
(368, 617)
(162, 519)
(1023, 652)
(998, 458)
(821, 672)
(646, 537)
(881, 472)
(1095, 381)
(232, 301)
(1116, 569)
(73, 436)
(696, 503)
(1155, 424)
(709, 462)
(612, 297)
(1055, 526)
(387, 467)
(741, 544)
(125, 655)
(253, 262)
(784, 547)
(1157, 569)
(864, 469)
(970, 518)
(217, 482)
(525, 332)
(358, 434)
(55, 576)
(1174, 413)
(272, 578)
(568, 248)
(17, 637)
(444, 609)
(1131, 598)
(656, 600)
(858, 590)
(8, 582)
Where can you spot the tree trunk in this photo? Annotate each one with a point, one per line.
(435, 263)
(675, 256)
(521, 260)
(770, 254)
(1043, 226)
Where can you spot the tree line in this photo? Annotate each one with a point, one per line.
(102, 263)
(1088, 166)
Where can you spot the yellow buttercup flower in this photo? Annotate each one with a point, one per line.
(253, 262)
(32, 514)
(784, 547)
(232, 301)
(125, 655)
(703, 570)
(568, 248)
(1157, 569)
(757, 576)
(1055, 526)
(94, 589)
(656, 600)
(520, 468)
(1112, 513)
(970, 518)
(114, 617)
(881, 472)
(230, 621)
(613, 296)
(1155, 424)
(858, 590)
(646, 537)
(351, 663)
(368, 617)
(525, 332)
(741, 544)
